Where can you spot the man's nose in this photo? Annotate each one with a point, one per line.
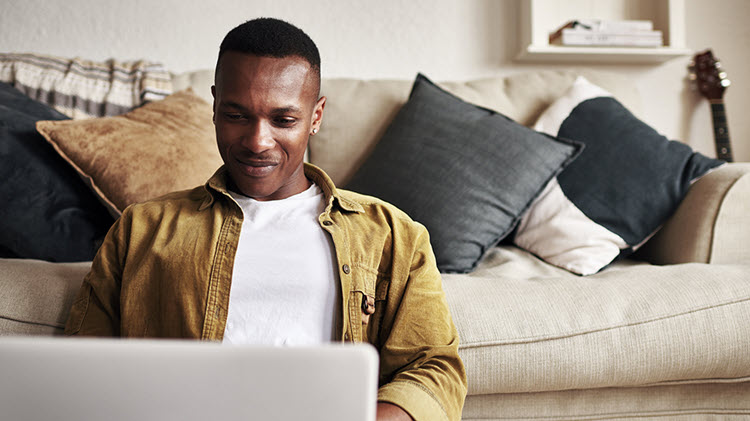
(258, 137)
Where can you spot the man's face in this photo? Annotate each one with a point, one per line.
(264, 111)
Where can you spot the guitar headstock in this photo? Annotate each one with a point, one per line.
(706, 71)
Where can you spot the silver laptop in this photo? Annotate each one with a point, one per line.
(117, 379)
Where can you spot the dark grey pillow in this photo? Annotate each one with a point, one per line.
(622, 188)
(48, 212)
(467, 173)
(631, 178)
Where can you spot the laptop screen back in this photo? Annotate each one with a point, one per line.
(117, 379)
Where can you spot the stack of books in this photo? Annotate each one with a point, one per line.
(621, 33)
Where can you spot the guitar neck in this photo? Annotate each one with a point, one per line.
(721, 131)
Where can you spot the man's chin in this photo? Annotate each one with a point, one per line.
(255, 187)
(273, 185)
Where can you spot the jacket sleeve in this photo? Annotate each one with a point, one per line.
(420, 368)
(96, 309)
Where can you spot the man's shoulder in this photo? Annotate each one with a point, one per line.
(173, 201)
(172, 215)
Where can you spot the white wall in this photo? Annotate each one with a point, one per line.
(446, 39)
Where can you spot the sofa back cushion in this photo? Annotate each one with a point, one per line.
(358, 111)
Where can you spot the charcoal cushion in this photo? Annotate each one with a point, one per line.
(48, 212)
(626, 183)
(466, 172)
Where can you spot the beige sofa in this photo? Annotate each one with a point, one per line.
(663, 337)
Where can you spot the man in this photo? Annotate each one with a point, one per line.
(270, 252)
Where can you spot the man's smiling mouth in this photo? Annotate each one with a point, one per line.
(256, 168)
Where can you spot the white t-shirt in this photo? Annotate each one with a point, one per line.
(284, 283)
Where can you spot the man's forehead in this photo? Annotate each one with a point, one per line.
(238, 67)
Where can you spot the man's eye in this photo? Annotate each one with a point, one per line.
(284, 121)
(233, 116)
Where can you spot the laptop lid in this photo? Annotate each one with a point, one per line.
(122, 379)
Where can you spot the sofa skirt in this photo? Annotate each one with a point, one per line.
(707, 401)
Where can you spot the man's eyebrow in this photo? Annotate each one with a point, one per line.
(288, 109)
(279, 110)
(231, 104)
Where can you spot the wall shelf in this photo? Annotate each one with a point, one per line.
(600, 54)
(540, 17)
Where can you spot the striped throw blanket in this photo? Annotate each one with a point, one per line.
(84, 89)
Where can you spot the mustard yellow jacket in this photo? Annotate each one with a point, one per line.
(165, 270)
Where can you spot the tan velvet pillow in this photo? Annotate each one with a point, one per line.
(158, 148)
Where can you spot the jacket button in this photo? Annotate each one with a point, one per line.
(346, 269)
(327, 223)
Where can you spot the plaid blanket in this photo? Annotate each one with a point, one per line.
(85, 89)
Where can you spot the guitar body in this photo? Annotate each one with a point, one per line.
(712, 83)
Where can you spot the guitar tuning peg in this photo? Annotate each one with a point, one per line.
(692, 77)
(725, 83)
(722, 75)
(717, 65)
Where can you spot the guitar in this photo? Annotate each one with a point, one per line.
(712, 82)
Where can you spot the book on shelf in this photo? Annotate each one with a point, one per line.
(607, 33)
(607, 38)
(616, 25)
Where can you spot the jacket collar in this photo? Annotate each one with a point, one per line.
(216, 186)
(319, 177)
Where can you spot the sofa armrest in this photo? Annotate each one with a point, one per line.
(711, 225)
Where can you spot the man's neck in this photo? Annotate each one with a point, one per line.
(232, 186)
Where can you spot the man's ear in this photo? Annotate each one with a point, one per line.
(213, 106)
(318, 113)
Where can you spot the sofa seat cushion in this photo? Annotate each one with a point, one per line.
(526, 326)
(35, 296)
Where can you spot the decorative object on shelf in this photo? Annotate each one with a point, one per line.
(711, 80)
(538, 17)
(622, 33)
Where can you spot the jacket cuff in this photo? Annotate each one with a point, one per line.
(413, 398)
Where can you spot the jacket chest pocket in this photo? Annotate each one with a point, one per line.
(366, 305)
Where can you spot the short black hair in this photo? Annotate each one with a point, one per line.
(269, 37)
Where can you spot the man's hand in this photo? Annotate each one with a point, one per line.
(391, 412)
